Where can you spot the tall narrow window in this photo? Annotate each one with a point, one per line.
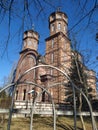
(53, 17)
(52, 43)
(31, 63)
(43, 97)
(51, 72)
(34, 74)
(52, 27)
(16, 94)
(65, 28)
(24, 94)
(52, 58)
(59, 26)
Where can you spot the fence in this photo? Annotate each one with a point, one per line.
(54, 112)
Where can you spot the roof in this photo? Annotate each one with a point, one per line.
(58, 13)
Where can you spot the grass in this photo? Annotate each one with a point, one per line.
(45, 123)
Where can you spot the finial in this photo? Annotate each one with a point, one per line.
(58, 8)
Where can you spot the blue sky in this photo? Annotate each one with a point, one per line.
(84, 35)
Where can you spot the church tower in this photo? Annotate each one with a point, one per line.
(30, 40)
(58, 51)
(58, 22)
(28, 57)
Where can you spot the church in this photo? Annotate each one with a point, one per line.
(59, 54)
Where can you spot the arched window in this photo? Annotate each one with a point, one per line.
(24, 94)
(16, 94)
(52, 58)
(31, 62)
(52, 28)
(65, 28)
(52, 44)
(51, 71)
(59, 26)
(43, 97)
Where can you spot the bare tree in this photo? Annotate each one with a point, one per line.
(26, 11)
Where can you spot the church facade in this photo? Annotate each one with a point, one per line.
(59, 54)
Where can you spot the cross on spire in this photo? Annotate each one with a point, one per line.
(59, 8)
(33, 26)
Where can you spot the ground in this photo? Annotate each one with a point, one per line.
(45, 123)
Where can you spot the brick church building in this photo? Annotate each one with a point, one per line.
(59, 54)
